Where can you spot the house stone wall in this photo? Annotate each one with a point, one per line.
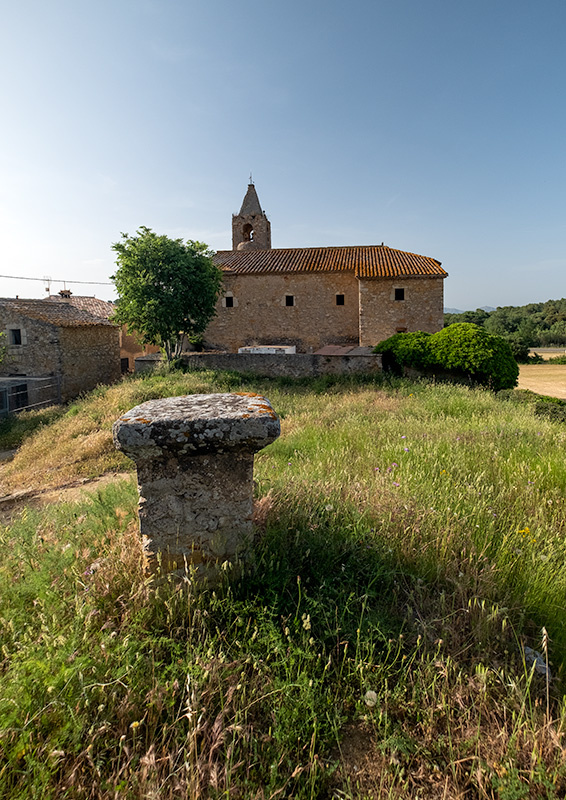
(381, 315)
(260, 316)
(39, 353)
(90, 355)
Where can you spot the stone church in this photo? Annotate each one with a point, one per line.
(311, 297)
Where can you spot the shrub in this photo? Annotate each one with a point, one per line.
(405, 349)
(552, 408)
(463, 350)
(469, 350)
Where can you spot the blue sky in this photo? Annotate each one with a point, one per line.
(435, 126)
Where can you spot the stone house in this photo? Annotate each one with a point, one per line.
(130, 345)
(53, 352)
(311, 297)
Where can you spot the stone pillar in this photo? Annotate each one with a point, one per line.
(194, 457)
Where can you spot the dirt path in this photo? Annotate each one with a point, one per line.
(547, 379)
(12, 503)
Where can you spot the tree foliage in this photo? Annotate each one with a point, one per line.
(532, 325)
(464, 350)
(167, 288)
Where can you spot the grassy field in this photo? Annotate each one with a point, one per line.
(401, 633)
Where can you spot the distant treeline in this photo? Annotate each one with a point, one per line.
(533, 325)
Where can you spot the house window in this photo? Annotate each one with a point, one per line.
(289, 299)
(399, 294)
(339, 299)
(15, 336)
(229, 301)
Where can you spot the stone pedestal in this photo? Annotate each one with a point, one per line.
(194, 456)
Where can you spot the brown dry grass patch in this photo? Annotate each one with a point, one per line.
(548, 379)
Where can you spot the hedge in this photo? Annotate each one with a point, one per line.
(463, 350)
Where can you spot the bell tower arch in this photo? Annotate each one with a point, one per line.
(251, 230)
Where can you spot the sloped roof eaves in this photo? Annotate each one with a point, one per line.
(102, 309)
(366, 261)
(62, 315)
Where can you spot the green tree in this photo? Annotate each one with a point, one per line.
(167, 288)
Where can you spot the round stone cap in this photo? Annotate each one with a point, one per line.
(195, 424)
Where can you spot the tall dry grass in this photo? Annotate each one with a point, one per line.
(408, 564)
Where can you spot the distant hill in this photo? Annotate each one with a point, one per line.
(460, 311)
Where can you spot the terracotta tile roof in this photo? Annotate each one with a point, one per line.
(59, 313)
(94, 306)
(372, 261)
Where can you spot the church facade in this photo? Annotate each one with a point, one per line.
(311, 297)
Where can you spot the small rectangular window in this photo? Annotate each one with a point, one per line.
(399, 294)
(289, 299)
(339, 299)
(15, 336)
(229, 301)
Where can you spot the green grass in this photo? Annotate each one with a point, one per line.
(411, 540)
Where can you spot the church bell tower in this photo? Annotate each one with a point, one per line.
(251, 230)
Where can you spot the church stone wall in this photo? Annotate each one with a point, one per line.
(259, 314)
(381, 315)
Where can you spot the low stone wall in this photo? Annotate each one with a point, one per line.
(298, 365)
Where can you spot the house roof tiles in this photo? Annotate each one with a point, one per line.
(59, 313)
(98, 308)
(372, 261)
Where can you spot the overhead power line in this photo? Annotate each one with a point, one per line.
(56, 280)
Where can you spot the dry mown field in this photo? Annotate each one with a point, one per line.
(548, 352)
(549, 379)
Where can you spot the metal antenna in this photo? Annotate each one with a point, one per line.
(251, 180)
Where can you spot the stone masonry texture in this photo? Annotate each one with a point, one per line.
(260, 314)
(370, 313)
(79, 357)
(194, 458)
(381, 315)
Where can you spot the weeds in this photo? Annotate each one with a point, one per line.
(409, 554)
